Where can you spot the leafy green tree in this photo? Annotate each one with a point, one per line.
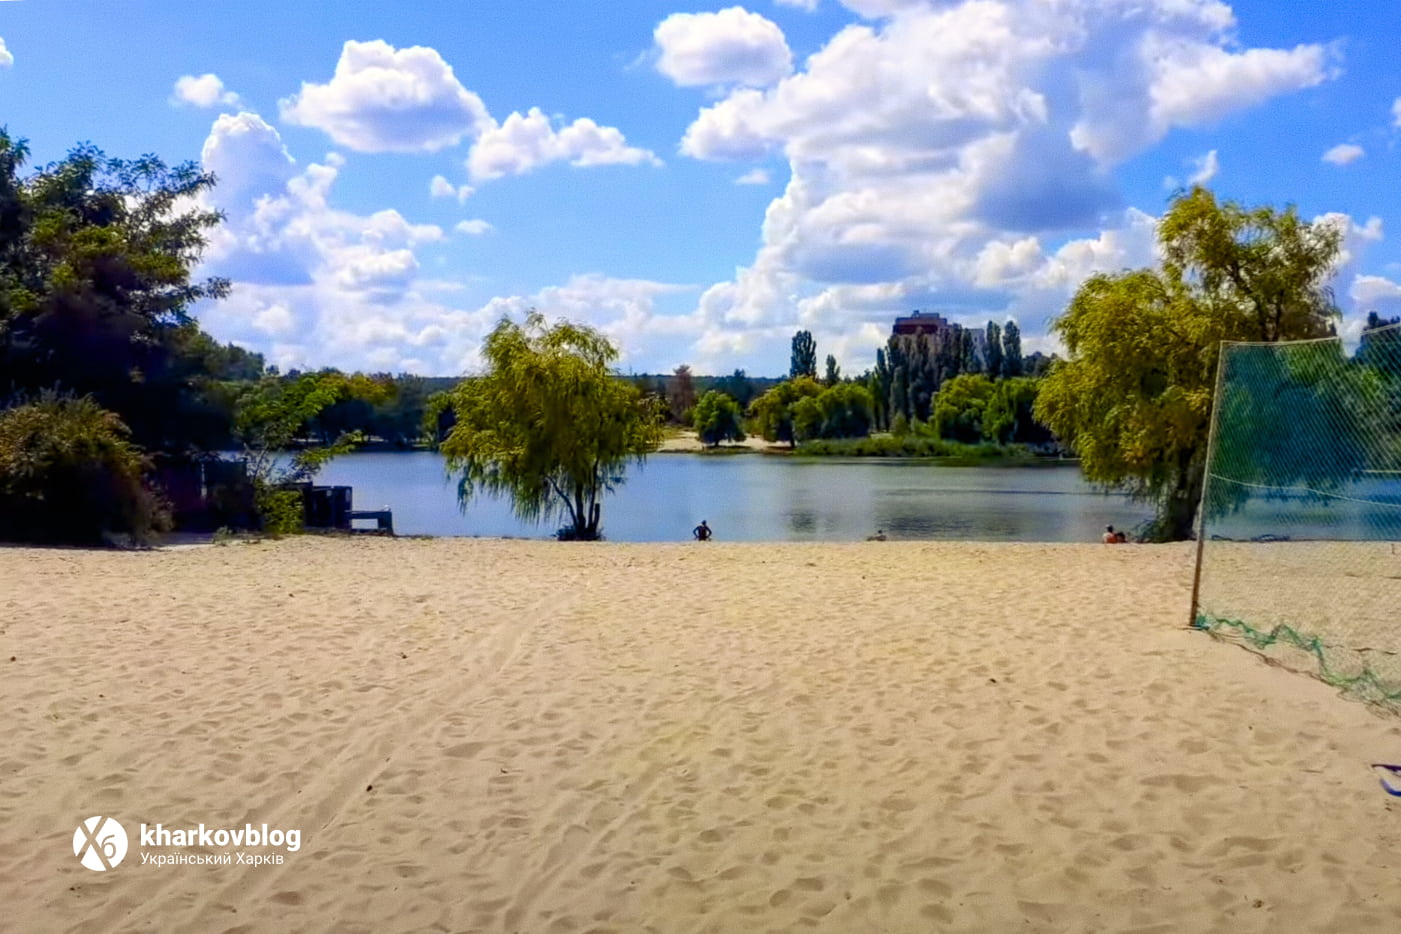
(69, 474)
(840, 411)
(1010, 417)
(803, 360)
(773, 411)
(834, 372)
(739, 387)
(96, 283)
(1011, 350)
(994, 341)
(548, 424)
(1134, 399)
(880, 390)
(961, 405)
(717, 418)
(969, 361)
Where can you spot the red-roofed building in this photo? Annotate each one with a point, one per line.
(918, 322)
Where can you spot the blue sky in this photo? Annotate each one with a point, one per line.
(700, 181)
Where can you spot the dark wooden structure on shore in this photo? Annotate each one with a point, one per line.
(210, 494)
(331, 507)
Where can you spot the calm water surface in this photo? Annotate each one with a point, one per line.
(752, 497)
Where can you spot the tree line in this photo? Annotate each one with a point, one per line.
(110, 391)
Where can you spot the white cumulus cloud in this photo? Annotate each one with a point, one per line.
(1372, 290)
(383, 99)
(312, 282)
(206, 90)
(1344, 154)
(754, 177)
(1207, 168)
(959, 155)
(733, 46)
(6, 58)
(525, 142)
(440, 187)
(1181, 79)
(473, 228)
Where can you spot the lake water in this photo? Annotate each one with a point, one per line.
(754, 497)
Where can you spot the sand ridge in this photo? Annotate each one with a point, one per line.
(530, 736)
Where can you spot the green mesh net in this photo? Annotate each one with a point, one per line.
(1300, 549)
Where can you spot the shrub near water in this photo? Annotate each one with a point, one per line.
(912, 445)
(69, 475)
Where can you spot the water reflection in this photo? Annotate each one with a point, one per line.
(758, 498)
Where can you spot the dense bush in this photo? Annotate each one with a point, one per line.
(912, 445)
(717, 418)
(840, 411)
(279, 509)
(70, 475)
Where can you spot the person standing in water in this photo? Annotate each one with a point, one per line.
(701, 532)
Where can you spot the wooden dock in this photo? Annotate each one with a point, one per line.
(383, 519)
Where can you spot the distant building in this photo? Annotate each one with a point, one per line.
(919, 322)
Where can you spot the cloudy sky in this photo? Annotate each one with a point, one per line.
(701, 181)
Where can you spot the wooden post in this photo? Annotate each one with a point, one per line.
(1206, 480)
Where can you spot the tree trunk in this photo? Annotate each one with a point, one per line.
(1177, 511)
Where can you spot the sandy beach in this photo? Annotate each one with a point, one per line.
(502, 736)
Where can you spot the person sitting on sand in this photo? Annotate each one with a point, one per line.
(1110, 536)
(878, 537)
(701, 532)
(1120, 537)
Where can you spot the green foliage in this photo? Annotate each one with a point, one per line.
(1011, 350)
(717, 418)
(1381, 345)
(803, 360)
(1010, 416)
(279, 509)
(738, 387)
(548, 424)
(1135, 398)
(96, 262)
(69, 474)
(1268, 269)
(994, 343)
(960, 406)
(901, 426)
(881, 390)
(773, 415)
(840, 411)
(397, 415)
(913, 445)
(1296, 415)
(274, 416)
(834, 372)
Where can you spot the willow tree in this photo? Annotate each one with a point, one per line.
(1135, 398)
(549, 424)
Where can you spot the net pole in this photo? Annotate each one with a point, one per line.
(1206, 480)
